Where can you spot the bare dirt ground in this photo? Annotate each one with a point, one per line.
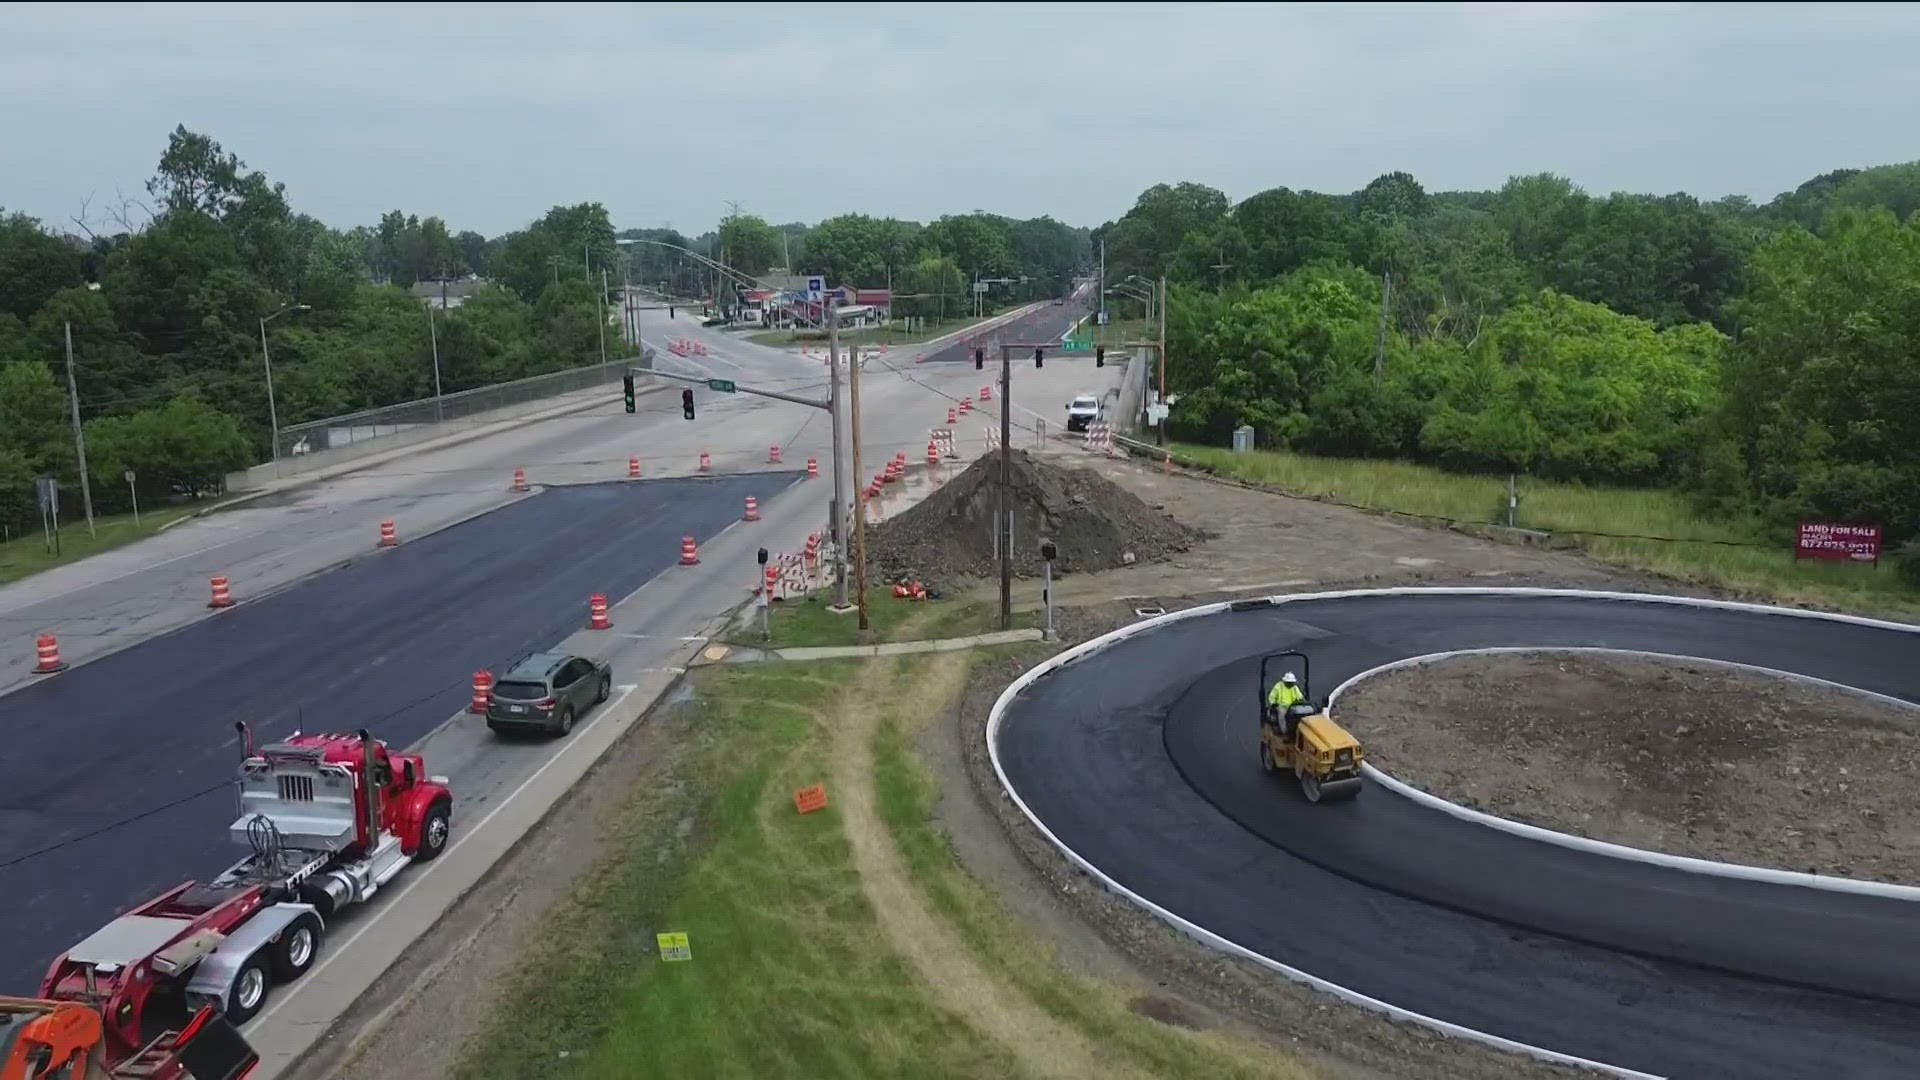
(1686, 758)
(415, 1021)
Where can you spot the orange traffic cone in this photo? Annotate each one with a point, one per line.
(1166, 463)
(953, 417)
(753, 509)
(966, 405)
(773, 454)
(388, 537)
(221, 596)
(933, 452)
(519, 479)
(986, 393)
(689, 555)
(633, 467)
(48, 650)
(482, 692)
(597, 613)
(706, 461)
(813, 468)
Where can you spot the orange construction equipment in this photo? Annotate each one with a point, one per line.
(388, 537)
(953, 417)
(813, 468)
(222, 596)
(519, 479)
(706, 461)
(689, 555)
(482, 692)
(986, 393)
(633, 467)
(42, 1039)
(753, 509)
(48, 650)
(807, 800)
(597, 618)
(773, 454)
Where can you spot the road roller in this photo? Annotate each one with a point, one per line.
(1298, 736)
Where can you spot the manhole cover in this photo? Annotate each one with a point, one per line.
(1149, 612)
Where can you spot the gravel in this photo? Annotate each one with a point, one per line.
(1095, 523)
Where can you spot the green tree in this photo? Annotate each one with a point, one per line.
(34, 264)
(749, 244)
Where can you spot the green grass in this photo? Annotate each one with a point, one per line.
(789, 975)
(810, 622)
(781, 339)
(1118, 331)
(792, 973)
(1732, 555)
(25, 555)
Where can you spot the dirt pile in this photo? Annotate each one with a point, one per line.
(1095, 524)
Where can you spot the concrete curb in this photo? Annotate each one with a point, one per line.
(1214, 940)
(926, 348)
(906, 648)
(1711, 867)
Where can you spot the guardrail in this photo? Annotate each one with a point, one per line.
(317, 444)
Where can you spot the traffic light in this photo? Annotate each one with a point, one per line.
(627, 382)
(1039, 357)
(979, 359)
(686, 402)
(1099, 356)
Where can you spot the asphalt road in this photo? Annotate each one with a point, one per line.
(103, 763)
(1143, 759)
(1045, 324)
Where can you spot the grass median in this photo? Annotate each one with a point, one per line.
(29, 553)
(1653, 530)
(843, 943)
(812, 622)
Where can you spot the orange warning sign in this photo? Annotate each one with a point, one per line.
(807, 800)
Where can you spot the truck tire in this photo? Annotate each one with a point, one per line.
(248, 992)
(434, 831)
(297, 949)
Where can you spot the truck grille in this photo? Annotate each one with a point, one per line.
(1343, 757)
(296, 788)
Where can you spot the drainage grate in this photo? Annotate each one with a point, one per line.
(1149, 612)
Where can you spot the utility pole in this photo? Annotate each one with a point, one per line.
(1005, 523)
(859, 493)
(433, 336)
(1380, 345)
(1163, 358)
(79, 440)
(1102, 317)
(586, 248)
(600, 314)
(836, 513)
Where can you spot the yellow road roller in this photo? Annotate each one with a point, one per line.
(1299, 737)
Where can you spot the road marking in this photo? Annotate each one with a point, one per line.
(413, 880)
(643, 637)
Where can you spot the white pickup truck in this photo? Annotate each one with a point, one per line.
(1083, 412)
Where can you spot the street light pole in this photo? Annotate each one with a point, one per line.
(1006, 480)
(273, 413)
(836, 514)
(600, 315)
(859, 493)
(433, 337)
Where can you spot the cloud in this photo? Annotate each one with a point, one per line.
(487, 114)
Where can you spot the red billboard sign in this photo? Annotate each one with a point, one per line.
(1827, 540)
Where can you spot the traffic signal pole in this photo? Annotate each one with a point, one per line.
(836, 513)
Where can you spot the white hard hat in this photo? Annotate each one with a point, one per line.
(1288, 678)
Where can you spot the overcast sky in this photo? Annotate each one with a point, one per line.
(487, 115)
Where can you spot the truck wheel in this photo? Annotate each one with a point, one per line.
(1310, 786)
(247, 994)
(434, 832)
(297, 949)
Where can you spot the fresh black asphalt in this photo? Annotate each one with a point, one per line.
(1042, 326)
(389, 642)
(1143, 759)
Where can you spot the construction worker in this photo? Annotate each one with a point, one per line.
(1285, 695)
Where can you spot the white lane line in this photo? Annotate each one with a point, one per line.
(424, 873)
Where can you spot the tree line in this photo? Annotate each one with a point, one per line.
(1762, 357)
(165, 313)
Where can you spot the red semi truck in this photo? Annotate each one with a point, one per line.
(329, 819)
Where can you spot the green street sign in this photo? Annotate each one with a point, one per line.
(1076, 345)
(725, 386)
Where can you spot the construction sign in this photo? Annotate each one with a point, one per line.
(808, 800)
(674, 947)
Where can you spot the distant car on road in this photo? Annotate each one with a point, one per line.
(547, 692)
(1082, 412)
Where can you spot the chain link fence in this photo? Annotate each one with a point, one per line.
(320, 443)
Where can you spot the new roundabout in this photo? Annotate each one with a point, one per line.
(1136, 755)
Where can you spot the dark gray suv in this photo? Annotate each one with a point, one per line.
(547, 692)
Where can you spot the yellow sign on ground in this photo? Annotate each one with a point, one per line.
(674, 947)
